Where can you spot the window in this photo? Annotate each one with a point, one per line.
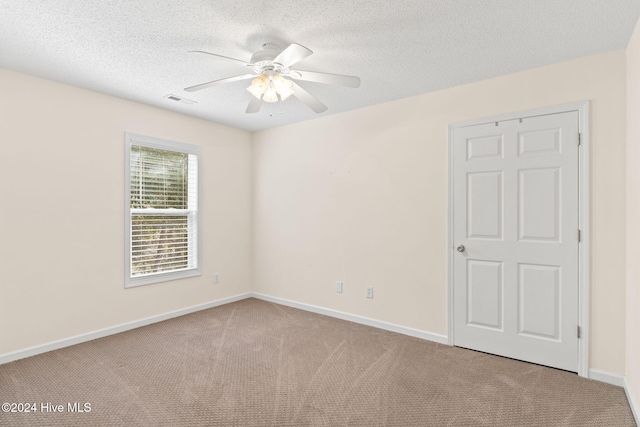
(162, 210)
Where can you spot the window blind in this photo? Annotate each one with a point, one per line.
(163, 204)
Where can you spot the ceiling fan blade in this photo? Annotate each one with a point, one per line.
(292, 54)
(326, 78)
(308, 99)
(222, 56)
(254, 105)
(219, 82)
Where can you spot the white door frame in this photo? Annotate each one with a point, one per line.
(583, 221)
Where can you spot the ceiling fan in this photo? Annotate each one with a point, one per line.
(272, 77)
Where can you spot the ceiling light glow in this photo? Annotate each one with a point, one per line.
(269, 88)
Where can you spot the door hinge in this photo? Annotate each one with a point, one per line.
(579, 236)
(579, 331)
(579, 138)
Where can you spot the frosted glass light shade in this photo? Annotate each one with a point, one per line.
(259, 85)
(283, 87)
(270, 95)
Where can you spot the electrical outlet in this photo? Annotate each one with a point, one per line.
(369, 291)
(216, 278)
(339, 287)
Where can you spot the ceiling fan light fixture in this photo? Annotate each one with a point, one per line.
(259, 86)
(283, 86)
(270, 95)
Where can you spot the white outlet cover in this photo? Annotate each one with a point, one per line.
(339, 287)
(369, 291)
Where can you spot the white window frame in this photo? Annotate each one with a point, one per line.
(132, 139)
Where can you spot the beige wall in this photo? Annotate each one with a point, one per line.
(359, 197)
(362, 197)
(633, 216)
(62, 215)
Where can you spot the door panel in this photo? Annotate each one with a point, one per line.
(484, 201)
(515, 210)
(539, 301)
(484, 147)
(484, 305)
(539, 142)
(539, 204)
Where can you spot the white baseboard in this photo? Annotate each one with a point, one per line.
(77, 339)
(442, 339)
(633, 403)
(606, 377)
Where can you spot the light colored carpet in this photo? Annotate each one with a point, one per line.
(253, 363)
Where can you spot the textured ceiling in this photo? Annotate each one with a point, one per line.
(137, 49)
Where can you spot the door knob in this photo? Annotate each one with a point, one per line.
(460, 248)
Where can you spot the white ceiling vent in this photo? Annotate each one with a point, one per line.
(179, 99)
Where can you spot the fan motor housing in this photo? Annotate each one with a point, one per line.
(268, 53)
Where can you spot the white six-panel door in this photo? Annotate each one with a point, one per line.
(515, 230)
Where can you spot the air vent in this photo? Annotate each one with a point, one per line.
(176, 98)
